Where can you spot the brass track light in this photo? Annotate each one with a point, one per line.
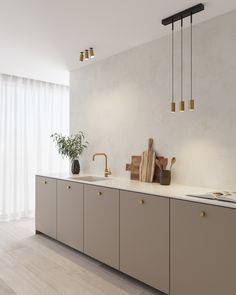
(91, 52)
(81, 56)
(86, 54)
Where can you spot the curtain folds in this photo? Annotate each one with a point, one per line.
(30, 111)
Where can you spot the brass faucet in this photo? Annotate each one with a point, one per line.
(107, 172)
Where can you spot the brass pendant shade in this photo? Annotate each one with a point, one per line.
(191, 105)
(173, 107)
(181, 106)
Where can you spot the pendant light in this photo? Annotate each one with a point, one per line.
(172, 70)
(171, 20)
(181, 105)
(191, 101)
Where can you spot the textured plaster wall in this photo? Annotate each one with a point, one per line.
(122, 101)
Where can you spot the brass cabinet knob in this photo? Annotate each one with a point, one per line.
(203, 213)
(141, 202)
(99, 193)
(68, 187)
(45, 182)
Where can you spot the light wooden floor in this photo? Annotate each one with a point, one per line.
(34, 264)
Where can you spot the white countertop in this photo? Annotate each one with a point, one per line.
(172, 191)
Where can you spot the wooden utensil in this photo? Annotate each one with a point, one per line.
(158, 163)
(134, 167)
(173, 160)
(158, 168)
(147, 165)
(162, 162)
(165, 163)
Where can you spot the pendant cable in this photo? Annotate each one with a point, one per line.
(181, 66)
(172, 70)
(172, 62)
(191, 56)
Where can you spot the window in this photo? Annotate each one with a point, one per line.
(30, 111)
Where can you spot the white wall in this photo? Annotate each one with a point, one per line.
(122, 101)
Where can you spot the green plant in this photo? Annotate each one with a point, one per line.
(70, 146)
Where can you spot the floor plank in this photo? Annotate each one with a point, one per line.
(36, 265)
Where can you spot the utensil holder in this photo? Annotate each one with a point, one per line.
(165, 177)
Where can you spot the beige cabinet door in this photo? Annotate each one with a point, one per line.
(203, 243)
(70, 213)
(144, 238)
(45, 211)
(101, 224)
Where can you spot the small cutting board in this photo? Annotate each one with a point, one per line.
(147, 165)
(134, 167)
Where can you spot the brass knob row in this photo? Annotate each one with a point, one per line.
(99, 193)
(141, 202)
(68, 187)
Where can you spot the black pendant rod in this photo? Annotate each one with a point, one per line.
(181, 59)
(172, 61)
(191, 56)
(183, 14)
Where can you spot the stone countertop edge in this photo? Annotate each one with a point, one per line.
(173, 191)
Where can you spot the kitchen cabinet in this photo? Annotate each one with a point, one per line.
(101, 224)
(202, 249)
(70, 214)
(45, 218)
(144, 238)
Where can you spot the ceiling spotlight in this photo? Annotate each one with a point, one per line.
(91, 52)
(86, 54)
(81, 56)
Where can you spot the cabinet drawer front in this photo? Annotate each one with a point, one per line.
(144, 238)
(45, 213)
(101, 224)
(70, 213)
(203, 243)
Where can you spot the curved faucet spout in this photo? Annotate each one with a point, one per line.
(107, 172)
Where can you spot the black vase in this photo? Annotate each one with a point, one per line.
(75, 167)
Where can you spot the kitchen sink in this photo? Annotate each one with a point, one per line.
(89, 178)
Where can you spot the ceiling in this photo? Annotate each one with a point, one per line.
(41, 39)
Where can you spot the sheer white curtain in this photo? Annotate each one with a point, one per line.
(30, 111)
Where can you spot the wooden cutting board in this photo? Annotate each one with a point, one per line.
(147, 165)
(134, 167)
